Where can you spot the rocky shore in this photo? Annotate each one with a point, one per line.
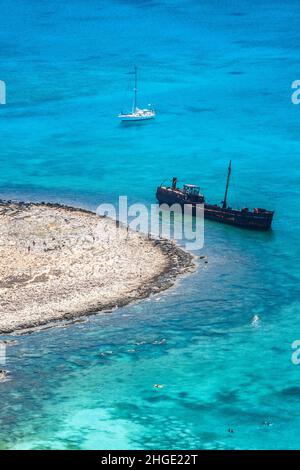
(61, 263)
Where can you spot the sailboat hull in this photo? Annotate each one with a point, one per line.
(132, 118)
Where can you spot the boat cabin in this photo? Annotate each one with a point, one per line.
(191, 189)
(188, 192)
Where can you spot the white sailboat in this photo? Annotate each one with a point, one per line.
(137, 114)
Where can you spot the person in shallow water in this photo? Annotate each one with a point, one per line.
(3, 374)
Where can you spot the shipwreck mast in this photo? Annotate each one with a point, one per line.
(227, 186)
(135, 90)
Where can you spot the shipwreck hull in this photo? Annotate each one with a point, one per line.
(248, 220)
(242, 219)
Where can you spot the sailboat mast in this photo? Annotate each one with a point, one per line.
(227, 186)
(135, 90)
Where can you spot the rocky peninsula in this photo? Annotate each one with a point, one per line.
(61, 263)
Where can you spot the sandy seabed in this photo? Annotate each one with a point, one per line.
(61, 263)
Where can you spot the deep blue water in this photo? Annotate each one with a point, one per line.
(219, 75)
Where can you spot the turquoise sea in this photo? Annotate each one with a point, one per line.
(219, 75)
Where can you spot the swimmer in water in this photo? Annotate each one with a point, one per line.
(255, 320)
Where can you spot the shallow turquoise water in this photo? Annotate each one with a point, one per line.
(220, 77)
